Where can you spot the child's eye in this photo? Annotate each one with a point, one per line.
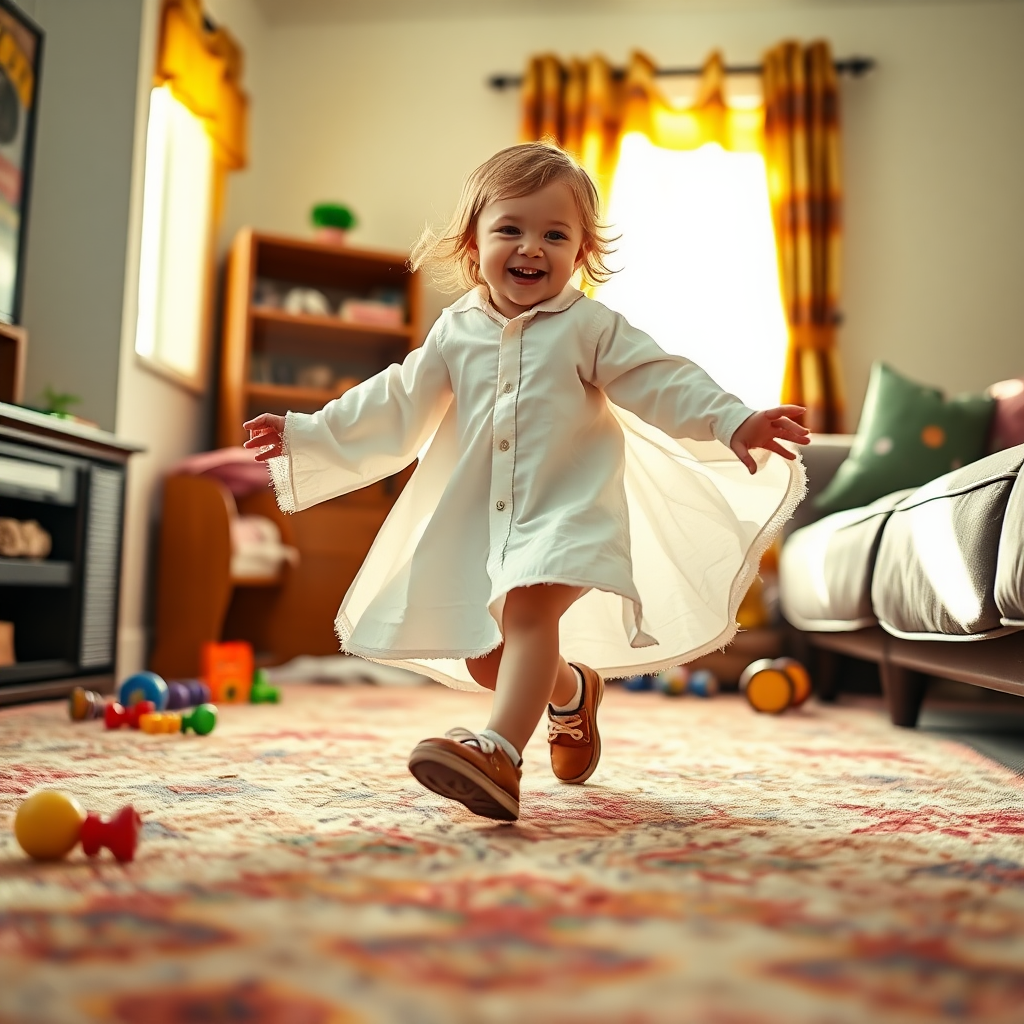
(556, 236)
(508, 229)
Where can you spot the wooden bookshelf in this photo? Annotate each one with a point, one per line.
(266, 348)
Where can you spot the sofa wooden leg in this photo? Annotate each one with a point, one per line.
(904, 693)
(825, 673)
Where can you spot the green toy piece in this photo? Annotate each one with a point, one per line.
(200, 719)
(333, 215)
(262, 692)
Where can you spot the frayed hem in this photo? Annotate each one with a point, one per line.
(281, 476)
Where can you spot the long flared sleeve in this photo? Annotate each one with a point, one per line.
(372, 431)
(669, 392)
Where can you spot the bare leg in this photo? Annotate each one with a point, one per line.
(530, 669)
(485, 671)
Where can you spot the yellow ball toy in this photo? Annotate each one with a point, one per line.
(48, 824)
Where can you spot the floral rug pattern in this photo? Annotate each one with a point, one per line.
(720, 867)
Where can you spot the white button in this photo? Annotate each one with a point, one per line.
(503, 446)
(499, 505)
(507, 387)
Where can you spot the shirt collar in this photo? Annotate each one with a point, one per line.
(478, 298)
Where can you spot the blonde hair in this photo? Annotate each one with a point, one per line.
(509, 174)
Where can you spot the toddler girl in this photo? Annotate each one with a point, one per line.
(582, 489)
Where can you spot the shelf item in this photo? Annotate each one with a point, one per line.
(17, 572)
(266, 347)
(331, 326)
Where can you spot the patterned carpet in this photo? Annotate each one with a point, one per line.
(720, 868)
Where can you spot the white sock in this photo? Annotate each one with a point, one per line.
(496, 737)
(574, 704)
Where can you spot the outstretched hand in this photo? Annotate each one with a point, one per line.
(762, 429)
(266, 435)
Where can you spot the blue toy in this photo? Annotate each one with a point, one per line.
(639, 684)
(143, 686)
(703, 683)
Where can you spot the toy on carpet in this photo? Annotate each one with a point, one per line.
(49, 823)
(678, 680)
(772, 685)
(201, 720)
(227, 669)
(639, 684)
(186, 693)
(115, 715)
(84, 704)
(673, 681)
(262, 692)
(143, 686)
(703, 683)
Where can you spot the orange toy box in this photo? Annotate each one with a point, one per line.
(227, 669)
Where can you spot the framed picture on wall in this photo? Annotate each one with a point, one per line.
(21, 51)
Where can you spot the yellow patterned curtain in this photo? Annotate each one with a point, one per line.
(203, 68)
(801, 100)
(577, 104)
(707, 120)
(583, 107)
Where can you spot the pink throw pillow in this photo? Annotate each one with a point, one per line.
(1008, 419)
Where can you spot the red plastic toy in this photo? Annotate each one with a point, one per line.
(116, 715)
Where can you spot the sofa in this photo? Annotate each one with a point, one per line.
(925, 582)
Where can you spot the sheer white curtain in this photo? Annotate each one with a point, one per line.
(698, 264)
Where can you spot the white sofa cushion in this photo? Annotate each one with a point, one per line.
(935, 572)
(825, 569)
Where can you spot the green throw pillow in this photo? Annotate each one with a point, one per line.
(908, 434)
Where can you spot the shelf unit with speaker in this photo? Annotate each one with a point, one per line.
(63, 607)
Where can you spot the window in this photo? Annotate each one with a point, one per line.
(176, 220)
(699, 271)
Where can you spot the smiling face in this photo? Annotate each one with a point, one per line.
(528, 247)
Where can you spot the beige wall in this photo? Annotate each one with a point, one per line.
(389, 116)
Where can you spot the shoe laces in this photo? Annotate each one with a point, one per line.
(568, 725)
(461, 735)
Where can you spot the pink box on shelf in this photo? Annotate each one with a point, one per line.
(368, 311)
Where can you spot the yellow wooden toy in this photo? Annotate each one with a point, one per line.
(160, 721)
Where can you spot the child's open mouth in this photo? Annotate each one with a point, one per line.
(526, 274)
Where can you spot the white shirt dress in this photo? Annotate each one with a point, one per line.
(563, 446)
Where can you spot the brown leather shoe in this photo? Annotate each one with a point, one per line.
(482, 778)
(575, 741)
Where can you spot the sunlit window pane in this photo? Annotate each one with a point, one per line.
(175, 235)
(699, 271)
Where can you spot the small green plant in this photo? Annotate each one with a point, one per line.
(333, 215)
(58, 403)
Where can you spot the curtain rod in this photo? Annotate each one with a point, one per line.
(854, 66)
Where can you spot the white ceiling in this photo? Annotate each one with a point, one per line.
(290, 12)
